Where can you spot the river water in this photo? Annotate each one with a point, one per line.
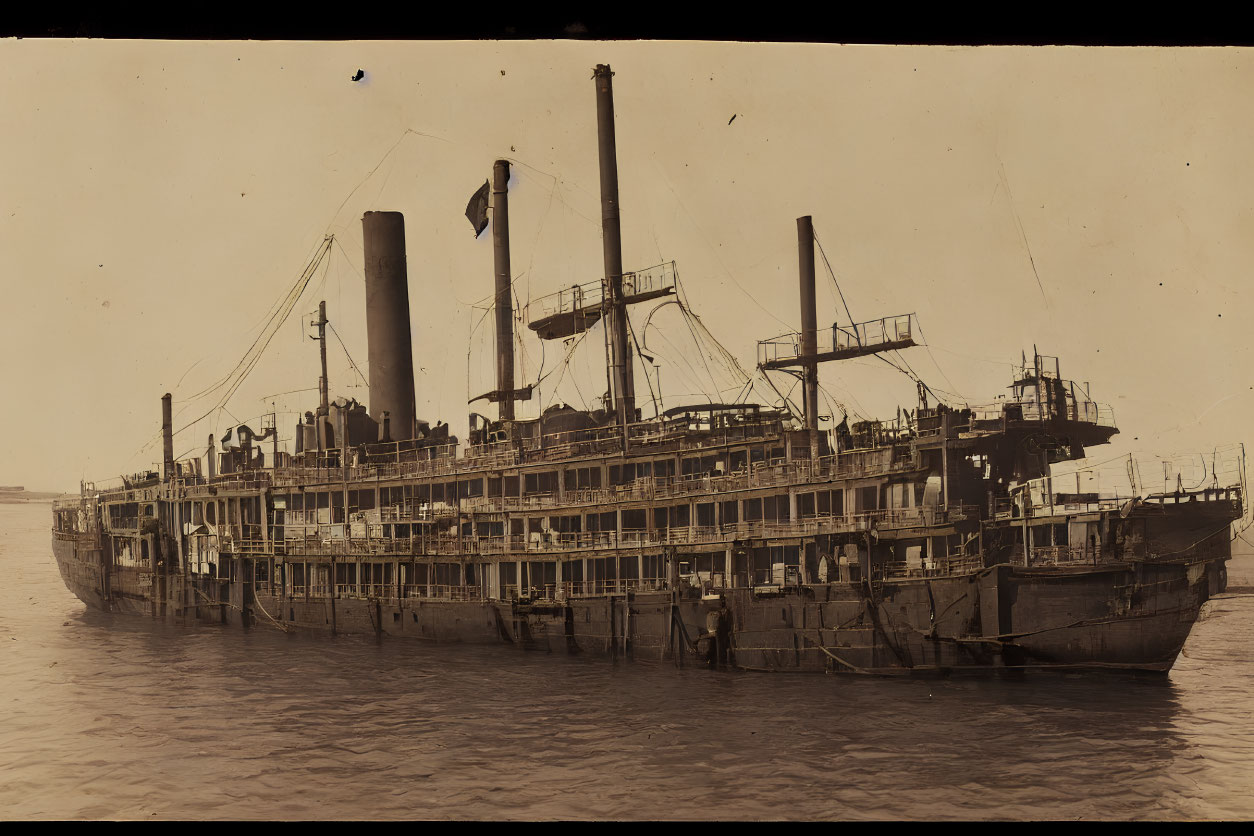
(114, 717)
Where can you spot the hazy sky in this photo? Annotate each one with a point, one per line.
(160, 198)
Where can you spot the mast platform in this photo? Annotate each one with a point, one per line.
(840, 342)
(576, 309)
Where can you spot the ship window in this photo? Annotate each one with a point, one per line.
(540, 482)
(446, 575)
(753, 510)
(603, 522)
(756, 454)
(634, 519)
(868, 498)
(583, 478)
(787, 555)
(705, 514)
(572, 571)
(762, 565)
(729, 512)
(543, 574)
(703, 565)
(660, 518)
(680, 516)
(494, 486)
(739, 458)
(806, 505)
(511, 486)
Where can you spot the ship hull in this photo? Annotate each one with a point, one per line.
(1123, 616)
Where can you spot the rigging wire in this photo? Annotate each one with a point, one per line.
(565, 363)
(928, 348)
(653, 395)
(274, 311)
(253, 355)
(832, 274)
(351, 361)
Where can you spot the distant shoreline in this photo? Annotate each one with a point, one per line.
(22, 497)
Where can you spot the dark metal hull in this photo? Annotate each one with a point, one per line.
(1131, 616)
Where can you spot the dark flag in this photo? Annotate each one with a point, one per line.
(477, 209)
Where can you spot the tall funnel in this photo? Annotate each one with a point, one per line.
(387, 322)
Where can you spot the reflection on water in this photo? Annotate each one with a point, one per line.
(118, 717)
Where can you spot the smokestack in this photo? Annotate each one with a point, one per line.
(809, 321)
(611, 239)
(167, 436)
(387, 322)
(504, 297)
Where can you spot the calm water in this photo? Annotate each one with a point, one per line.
(116, 718)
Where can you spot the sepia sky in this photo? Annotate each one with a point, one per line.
(159, 200)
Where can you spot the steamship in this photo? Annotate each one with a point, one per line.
(728, 534)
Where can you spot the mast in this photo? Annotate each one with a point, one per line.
(504, 297)
(611, 238)
(809, 324)
(324, 402)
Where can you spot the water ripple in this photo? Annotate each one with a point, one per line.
(108, 717)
